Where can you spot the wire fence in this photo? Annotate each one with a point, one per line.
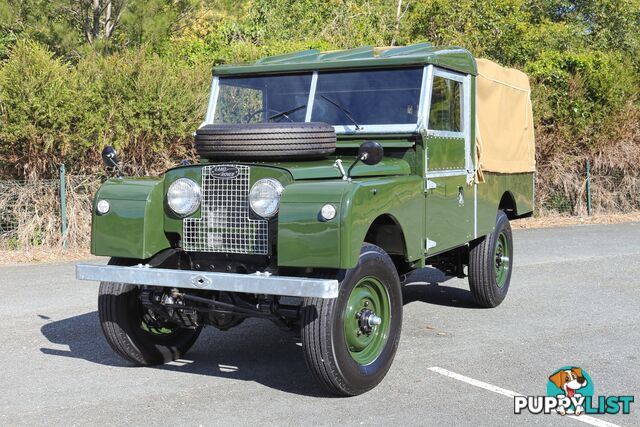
(49, 213)
(610, 191)
(57, 212)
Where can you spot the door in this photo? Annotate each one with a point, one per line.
(448, 198)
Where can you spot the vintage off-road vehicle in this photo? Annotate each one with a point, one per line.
(325, 179)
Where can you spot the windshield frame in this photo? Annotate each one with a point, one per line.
(350, 129)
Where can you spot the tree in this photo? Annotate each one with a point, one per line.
(97, 18)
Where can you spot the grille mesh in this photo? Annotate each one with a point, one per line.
(225, 225)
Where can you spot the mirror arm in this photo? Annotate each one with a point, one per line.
(359, 158)
(116, 167)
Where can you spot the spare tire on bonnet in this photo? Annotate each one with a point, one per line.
(265, 141)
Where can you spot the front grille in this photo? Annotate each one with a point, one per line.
(225, 225)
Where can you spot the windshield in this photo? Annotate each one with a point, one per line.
(370, 97)
(352, 99)
(263, 99)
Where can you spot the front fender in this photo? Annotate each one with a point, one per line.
(305, 240)
(401, 198)
(134, 225)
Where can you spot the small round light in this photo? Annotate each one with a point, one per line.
(328, 212)
(183, 196)
(102, 207)
(264, 197)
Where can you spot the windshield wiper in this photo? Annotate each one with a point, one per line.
(346, 112)
(286, 113)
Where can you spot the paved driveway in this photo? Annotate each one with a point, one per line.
(574, 300)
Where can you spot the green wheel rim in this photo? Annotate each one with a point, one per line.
(155, 331)
(502, 260)
(146, 324)
(368, 304)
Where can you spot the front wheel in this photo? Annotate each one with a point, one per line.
(135, 333)
(491, 264)
(350, 342)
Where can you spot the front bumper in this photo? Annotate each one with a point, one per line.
(230, 282)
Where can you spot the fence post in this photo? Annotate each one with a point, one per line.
(589, 210)
(63, 206)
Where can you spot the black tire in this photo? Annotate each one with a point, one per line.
(119, 310)
(487, 286)
(323, 337)
(265, 141)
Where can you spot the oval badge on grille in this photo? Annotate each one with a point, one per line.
(224, 172)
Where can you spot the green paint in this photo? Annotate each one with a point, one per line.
(323, 169)
(452, 58)
(133, 227)
(369, 297)
(399, 198)
(386, 143)
(502, 260)
(490, 192)
(445, 153)
(305, 240)
(448, 222)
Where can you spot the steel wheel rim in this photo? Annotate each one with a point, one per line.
(502, 260)
(368, 298)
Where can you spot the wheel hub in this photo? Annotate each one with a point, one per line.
(367, 321)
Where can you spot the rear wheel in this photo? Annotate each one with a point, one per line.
(490, 265)
(350, 342)
(135, 333)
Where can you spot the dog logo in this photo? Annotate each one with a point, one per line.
(570, 392)
(572, 384)
(224, 172)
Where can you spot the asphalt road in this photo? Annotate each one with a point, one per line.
(574, 300)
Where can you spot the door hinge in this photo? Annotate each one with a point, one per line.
(430, 244)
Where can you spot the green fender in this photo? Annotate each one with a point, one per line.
(306, 240)
(400, 198)
(134, 225)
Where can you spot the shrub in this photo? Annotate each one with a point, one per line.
(53, 112)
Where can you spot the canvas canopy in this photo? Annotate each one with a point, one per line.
(504, 121)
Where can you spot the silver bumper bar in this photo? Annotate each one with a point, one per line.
(231, 282)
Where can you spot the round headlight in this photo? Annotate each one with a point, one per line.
(183, 196)
(264, 197)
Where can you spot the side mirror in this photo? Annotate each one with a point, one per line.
(110, 159)
(370, 153)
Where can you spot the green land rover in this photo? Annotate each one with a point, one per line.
(325, 178)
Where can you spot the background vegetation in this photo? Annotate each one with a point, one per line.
(78, 74)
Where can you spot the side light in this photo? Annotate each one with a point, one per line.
(328, 212)
(102, 207)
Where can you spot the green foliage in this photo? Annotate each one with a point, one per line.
(143, 88)
(52, 112)
(581, 90)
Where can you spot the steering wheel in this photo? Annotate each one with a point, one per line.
(249, 117)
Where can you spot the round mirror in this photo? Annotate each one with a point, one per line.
(370, 153)
(110, 157)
